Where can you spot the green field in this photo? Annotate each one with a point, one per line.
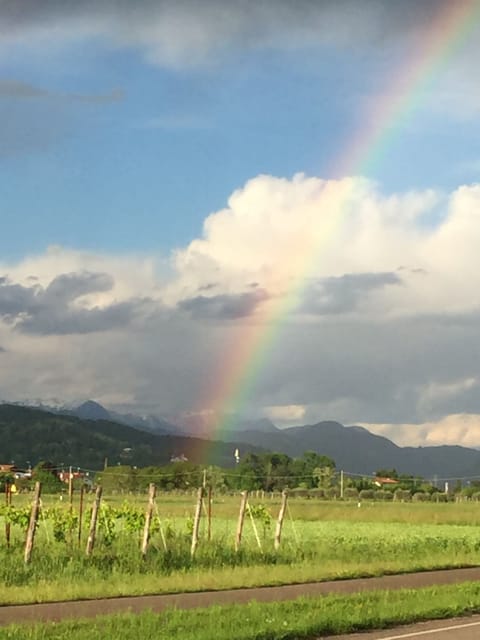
(321, 540)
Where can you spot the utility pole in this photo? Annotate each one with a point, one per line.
(341, 484)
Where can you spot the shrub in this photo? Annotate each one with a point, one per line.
(383, 495)
(367, 494)
(420, 496)
(332, 493)
(402, 495)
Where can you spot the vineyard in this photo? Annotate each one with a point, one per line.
(192, 544)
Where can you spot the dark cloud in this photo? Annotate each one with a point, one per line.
(31, 126)
(414, 270)
(34, 118)
(374, 370)
(343, 294)
(224, 306)
(20, 90)
(15, 89)
(186, 31)
(51, 310)
(69, 286)
(208, 287)
(370, 369)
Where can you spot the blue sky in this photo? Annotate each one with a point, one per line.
(162, 166)
(142, 171)
(125, 166)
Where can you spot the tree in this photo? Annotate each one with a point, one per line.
(45, 473)
(6, 479)
(304, 468)
(324, 476)
(387, 473)
(278, 471)
(251, 472)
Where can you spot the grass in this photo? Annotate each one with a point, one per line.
(322, 550)
(320, 541)
(298, 619)
(181, 505)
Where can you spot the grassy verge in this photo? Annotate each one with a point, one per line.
(93, 586)
(302, 618)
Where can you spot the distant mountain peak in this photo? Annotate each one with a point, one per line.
(92, 410)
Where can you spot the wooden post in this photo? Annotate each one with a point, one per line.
(8, 502)
(341, 484)
(281, 515)
(148, 518)
(196, 521)
(80, 514)
(32, 525)
(241, 518)
(162, 535)
(70, 489)
(70, 503)
(209, 514)
(93, 522)
(254, 527)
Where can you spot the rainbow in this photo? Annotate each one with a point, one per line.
(244, 358)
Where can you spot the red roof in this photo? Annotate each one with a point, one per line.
(386, 481)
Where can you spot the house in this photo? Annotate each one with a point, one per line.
(63, 475)
(385, 482)
(8, 468)
(180, 458)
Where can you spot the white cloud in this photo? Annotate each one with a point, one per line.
(134, 275)
(458, 429)
(281, 233)
(386, 329)
(287, 414)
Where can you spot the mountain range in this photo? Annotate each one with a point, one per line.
(29, 435)
(156, 440)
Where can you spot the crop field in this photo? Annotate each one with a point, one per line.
(320, 540)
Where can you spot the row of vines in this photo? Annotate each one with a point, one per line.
(79, 526)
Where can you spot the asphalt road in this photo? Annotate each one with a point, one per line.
(55, 611)
(453, 629)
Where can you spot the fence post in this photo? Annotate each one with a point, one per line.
(32, 525)
(281, 515)
(241, 518)
(8, 502)
(93, 521)
(148, 518)
(209, 513)
(196, 521)
(70, 488)
(80, 514)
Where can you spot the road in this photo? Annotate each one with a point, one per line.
(454, 629)
(55, 611)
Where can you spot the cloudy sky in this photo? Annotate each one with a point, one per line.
(177, 177)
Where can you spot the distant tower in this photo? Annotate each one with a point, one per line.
(236, 455)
